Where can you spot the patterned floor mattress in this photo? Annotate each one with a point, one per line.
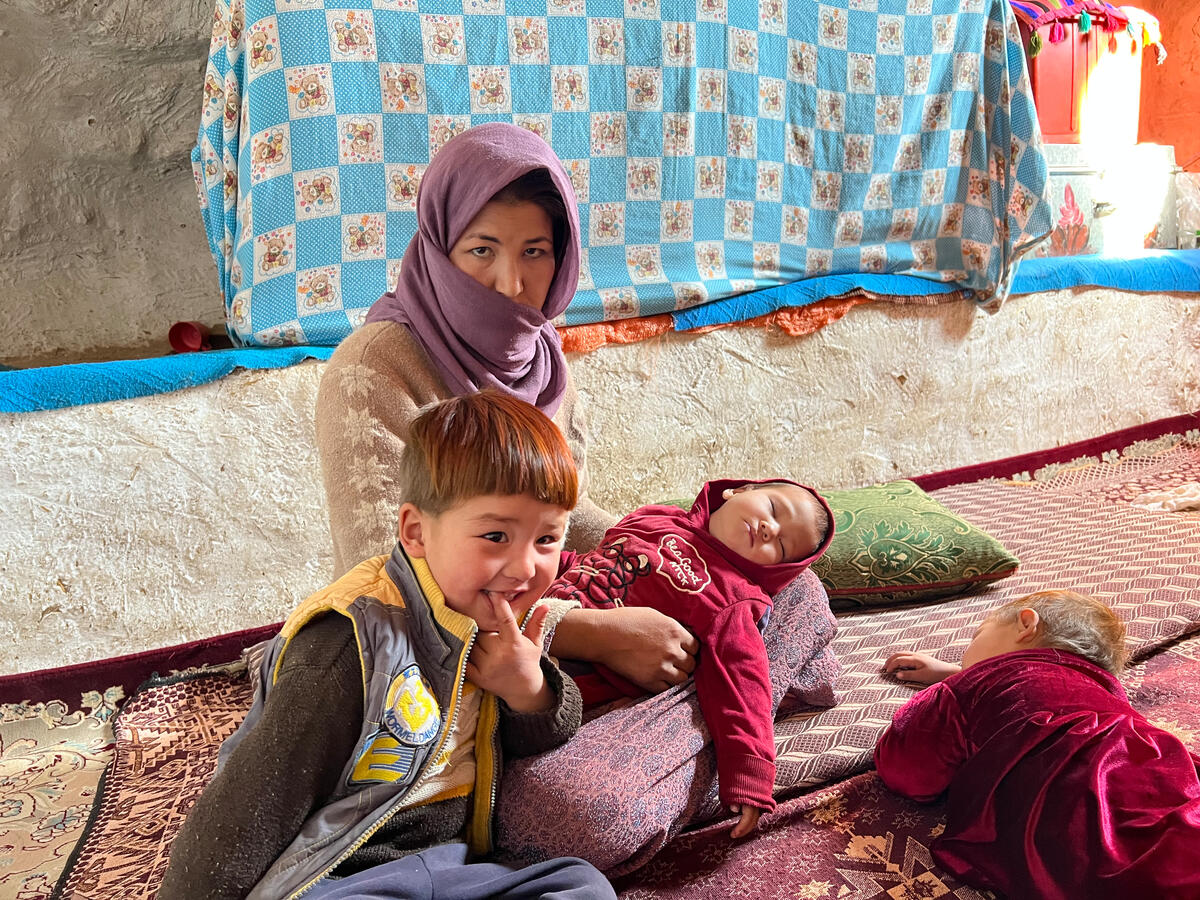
(91, 800)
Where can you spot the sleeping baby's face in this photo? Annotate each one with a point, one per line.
(768, 524)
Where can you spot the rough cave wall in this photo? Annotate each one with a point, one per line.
(101, 242)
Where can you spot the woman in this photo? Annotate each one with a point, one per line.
(495, 258)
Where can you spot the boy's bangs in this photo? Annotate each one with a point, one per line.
(507, 447)
(505, 464)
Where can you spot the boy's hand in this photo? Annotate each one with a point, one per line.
(509, 663)
(919, 668)
(748, 821)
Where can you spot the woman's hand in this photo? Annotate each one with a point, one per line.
(638, 643)
(919, 668)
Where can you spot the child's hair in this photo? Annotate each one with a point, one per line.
(484, 443)
(1074, 622)
(536, 186)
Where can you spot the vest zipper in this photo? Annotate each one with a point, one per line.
(495, 740)
(367, 835)
(495, 781)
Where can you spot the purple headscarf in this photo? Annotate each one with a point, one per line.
(475, 336)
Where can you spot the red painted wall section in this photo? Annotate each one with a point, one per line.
(1170, 107)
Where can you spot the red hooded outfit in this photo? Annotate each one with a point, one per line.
(664, 557)
(1057, 788)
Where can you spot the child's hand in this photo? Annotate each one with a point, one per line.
(509, 663)
(919, 668)
(748, 821)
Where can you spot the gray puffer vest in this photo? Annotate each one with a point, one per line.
(414, 651)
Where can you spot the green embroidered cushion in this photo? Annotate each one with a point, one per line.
(895, 544)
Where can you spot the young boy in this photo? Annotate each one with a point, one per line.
(1056, 786)
(369, 762)
(714, 568)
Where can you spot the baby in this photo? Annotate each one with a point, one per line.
(1055, 786)
(714, 568)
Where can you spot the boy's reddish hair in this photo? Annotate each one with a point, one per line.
(1074, 622)
(485, 443)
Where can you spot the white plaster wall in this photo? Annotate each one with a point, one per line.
(888, 391)
(101, 241)
(144, 523)
(137, 524)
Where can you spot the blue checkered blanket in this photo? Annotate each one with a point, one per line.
(716, 146)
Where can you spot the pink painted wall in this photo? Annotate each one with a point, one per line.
(1170, 107)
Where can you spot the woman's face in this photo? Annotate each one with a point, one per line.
(509, 247)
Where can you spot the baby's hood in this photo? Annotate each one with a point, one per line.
(771, 578)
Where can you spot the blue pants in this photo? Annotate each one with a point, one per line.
(443, 873)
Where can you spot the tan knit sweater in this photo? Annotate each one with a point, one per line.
(373, 387)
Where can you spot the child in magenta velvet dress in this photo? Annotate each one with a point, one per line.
(1055, 786)
(713, 568)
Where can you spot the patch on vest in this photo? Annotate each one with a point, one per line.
(679, 562)
(411, 713)
(383, 759)
(410, 720)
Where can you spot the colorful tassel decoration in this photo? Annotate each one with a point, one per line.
(1085, 22)
(1035, 45)
(1112, 43)
(1058, 33)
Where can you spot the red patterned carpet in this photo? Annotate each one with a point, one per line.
(167, 736)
